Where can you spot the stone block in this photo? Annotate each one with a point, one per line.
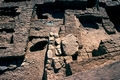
(68, 59)
(49, 54)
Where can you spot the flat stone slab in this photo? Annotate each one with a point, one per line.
(70, 45)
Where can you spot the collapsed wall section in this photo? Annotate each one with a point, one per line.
(14, 32)
(47, 27)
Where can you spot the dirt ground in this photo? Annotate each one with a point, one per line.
(105, 67)
(91, 37)
(32, 67)
(102, 69)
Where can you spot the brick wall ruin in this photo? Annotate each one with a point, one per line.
(64, 26)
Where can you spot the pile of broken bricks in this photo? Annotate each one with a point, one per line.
(59, 54)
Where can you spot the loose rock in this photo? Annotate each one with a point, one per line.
(49, 54)
(56, 35)
(70, 45)
(58, 52)
(51, 40)
(51, 34)
(58, 47)
(12, 66)
(58, 41)
(58, 62)
(3, 68)
(51, 47)
(68, 59)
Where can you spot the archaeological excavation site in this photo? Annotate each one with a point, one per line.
(59, 39)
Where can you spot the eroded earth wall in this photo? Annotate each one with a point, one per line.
(51, 39)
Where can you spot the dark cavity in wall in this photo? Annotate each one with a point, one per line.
(74, 57)
(89, 21)
(5, 63)
(3, 47)
(91, 3)
(11, 60)
(76, 4)
(57, 8)
(9, 11)
(101, 4)
(95, 53)
(39, 46)
(11, 41)
(7, 30)
(68, 70)
(114, 14)
(101, 51)
(52, 10)
(15, 0)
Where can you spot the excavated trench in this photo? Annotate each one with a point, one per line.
(55, 12)
(89, 21)
(8, 14)
(56, 9)
(9, 11)
(9, 64)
